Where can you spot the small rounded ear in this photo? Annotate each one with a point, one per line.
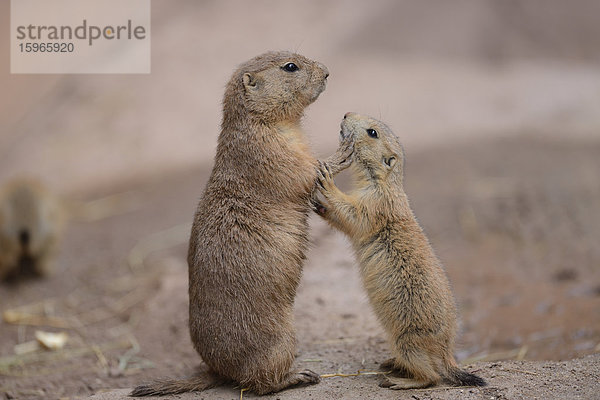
(249, 81)
(390, 161)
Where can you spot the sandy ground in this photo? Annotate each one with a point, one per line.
(511, 380)
(523, 292)
(498, 105)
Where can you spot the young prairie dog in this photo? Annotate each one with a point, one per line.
(405, 281)
(250, 231)
(31, 222)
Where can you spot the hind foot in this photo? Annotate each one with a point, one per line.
(308, 376)
(394, 383)
(305, 377)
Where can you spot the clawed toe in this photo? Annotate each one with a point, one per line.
(310, 376)
(385, 383)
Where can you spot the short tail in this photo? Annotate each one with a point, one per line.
(166, 387)
(458, 377)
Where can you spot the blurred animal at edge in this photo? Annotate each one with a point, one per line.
(31, 226)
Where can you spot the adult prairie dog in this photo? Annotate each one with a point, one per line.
(250, 231)
(31, 224)
(405, 281)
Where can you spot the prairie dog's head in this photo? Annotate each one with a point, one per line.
(276, 86)
(377, 151)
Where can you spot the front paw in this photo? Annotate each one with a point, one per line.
(325, 178)
(345, 151)
(318, 207)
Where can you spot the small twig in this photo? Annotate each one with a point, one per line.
(21, 333)
(26, 347)
(17, 318)
(130, 300)
(53, 370)
(519, 371)
(522, 352)
(36, 314)
(7, 362)
(100, 356)
(125, 358)
(438, 388)
(117, 307)
(157, 241)
(38, 307)
(242, 393)
(115, 204)
(358, 373)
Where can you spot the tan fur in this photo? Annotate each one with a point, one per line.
(405, 281)
(31, 222)
(250, 231)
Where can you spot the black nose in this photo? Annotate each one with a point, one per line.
(327, 75)
(24, 237)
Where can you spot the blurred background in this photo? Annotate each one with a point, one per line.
(496, 102)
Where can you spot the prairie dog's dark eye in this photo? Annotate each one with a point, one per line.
(373, 133)
(290, 67)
